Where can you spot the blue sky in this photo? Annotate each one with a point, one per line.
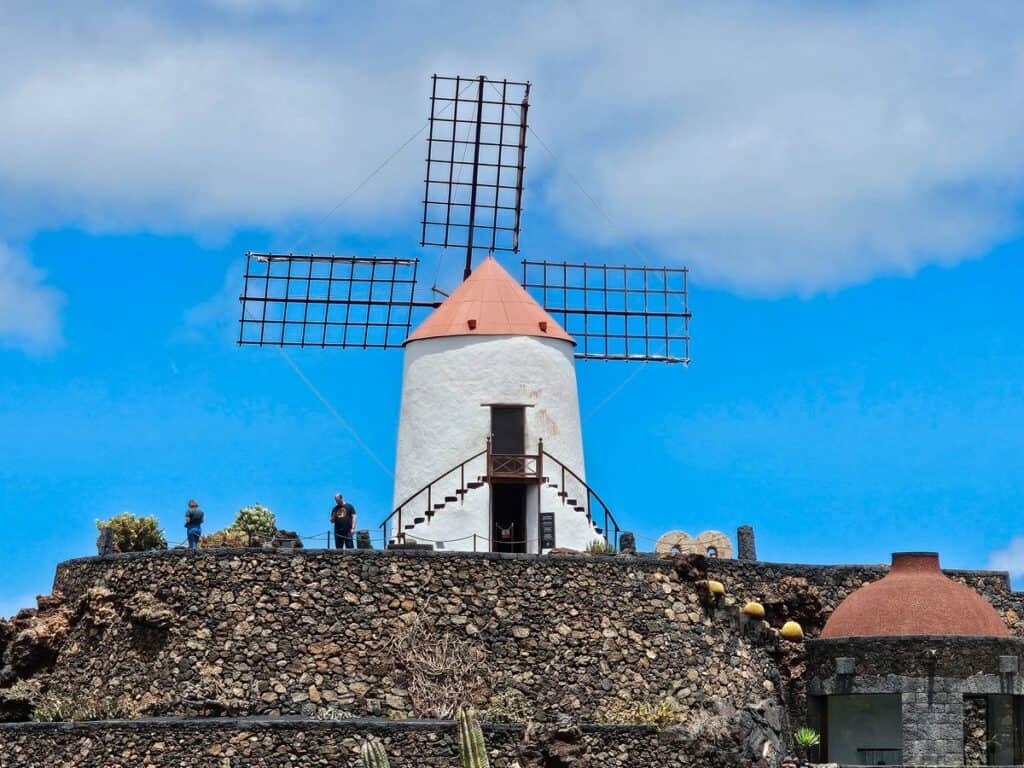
(842, 180)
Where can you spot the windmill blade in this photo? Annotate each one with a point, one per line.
(616, 312)
(328, 301)
(476, 158)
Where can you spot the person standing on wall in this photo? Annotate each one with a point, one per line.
(344, 518)
(193, 523)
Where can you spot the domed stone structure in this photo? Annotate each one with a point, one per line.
(915, 598)
(909, 664)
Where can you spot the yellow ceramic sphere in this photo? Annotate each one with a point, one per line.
(716, 587)
(792, 631)
(754, 609)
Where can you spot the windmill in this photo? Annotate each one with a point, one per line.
(490, 446)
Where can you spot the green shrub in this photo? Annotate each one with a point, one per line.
(134, 533)
(509, 706)
(78, 708)
(18, 703)
(661, 715)
(228, 537)
(256, 520)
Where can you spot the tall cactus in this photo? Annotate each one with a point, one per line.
(472, 751)
(471, 740)
(373, 754)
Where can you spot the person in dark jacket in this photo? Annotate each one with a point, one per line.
(193, 523)
(344, 518)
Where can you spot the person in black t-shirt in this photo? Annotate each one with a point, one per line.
(344, 518)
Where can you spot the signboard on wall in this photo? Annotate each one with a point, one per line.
(547, 530)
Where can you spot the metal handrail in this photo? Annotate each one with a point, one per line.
(608, 516)
(426, 488)
(538, 473)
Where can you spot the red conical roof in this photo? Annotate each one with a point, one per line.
(915, 598)
(490, 303)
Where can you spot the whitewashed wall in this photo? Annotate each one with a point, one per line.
(446, 382)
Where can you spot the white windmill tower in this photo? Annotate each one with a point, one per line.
(490, 446)
(489, 389)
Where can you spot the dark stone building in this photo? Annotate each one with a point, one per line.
(916, 669)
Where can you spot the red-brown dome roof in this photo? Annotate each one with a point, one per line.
(490, 303)
(915, 598)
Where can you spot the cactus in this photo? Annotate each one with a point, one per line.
(754, 609)
(792, 631)
(471, 740)
(472, 751)
(373, 754)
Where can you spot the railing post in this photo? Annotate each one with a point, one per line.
(540, 460)
(564, 491)
(487, 471)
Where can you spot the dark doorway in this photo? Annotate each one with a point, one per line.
(508, 429)
(508, 517)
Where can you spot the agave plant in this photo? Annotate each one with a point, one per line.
(806, 738)
(600, 547)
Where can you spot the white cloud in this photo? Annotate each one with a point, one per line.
(250, 7)
(1009, 559)
(795, 147)
(29, 308)
(217, 316)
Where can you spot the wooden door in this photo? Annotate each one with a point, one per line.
(508, 429)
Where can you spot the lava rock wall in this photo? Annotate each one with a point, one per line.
(243, 632)
(284, 743)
